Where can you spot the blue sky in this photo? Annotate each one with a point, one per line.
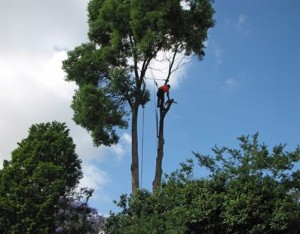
(248, 82)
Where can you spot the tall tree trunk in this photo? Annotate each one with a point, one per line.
(160, 148)
(160, 152)
(134, 151)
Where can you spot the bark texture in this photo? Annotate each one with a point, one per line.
(160, 148)
(134, 150)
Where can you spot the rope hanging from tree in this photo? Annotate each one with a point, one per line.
(156, 120)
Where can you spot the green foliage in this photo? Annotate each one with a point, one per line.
(38, 181)
(249, 190)
(92, 108)
(124, 36)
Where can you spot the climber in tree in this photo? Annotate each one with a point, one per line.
(161, 94)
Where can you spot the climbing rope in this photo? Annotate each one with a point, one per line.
(143, 121)
(147, 78)
(154, 95)
(155, 107)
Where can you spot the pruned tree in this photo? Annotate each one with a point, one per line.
(125, 36)
(163, 110)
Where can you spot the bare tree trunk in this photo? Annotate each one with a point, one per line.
(134, 152)
(160, 148)
(160, 153)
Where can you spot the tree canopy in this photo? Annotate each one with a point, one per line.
(248, 190)
(37, 186)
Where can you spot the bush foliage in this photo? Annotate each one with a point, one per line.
(248, 190)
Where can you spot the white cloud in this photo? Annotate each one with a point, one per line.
(217, 52)
(242, 24)
(241, 21)
(124, 146)
(36, 92)
(230, 84)
(118, 151)
(36, 27)
(93, 177)
(159, 69)
(31, 91)
(127, 139)
(218, 56)
(96, 179)
(32, 87)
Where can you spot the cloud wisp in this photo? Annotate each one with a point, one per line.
(217, 52)
(242, 24)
